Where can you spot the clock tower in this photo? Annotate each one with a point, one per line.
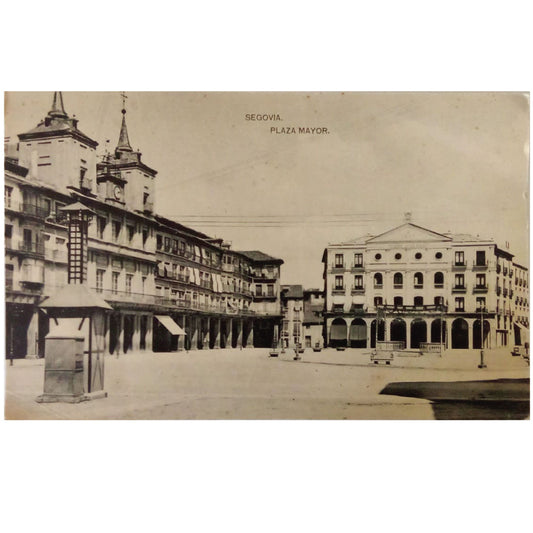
(122, 177)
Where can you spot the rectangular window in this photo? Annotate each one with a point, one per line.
(129, 281)
(47, 206)
(114, 281)
(100, 280)
(459, 304)
(159, 242)
(117, 227)
(167, 244)
(398, 301)
(259, 290)
(131, 233)
(100, 227)
(8, 191)
(358, 260)
(145, 236)
(143, 284)
(481, 280)
(339, 282)
(296, 315)
(270, 290)
(480, 303)
(480, 258)
(438, 300)
(459, 258)
(459, 281)
(358, 282)
(419, 301)
(296, 329)
(339, 260)
(378, 300)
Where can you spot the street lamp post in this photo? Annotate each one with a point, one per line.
(481, 354)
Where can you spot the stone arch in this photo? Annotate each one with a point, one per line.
(338, 332)
(436, 327)
(460, 334)
(358, 333)
(381, 332)
(419, 332)
(476, 334)
(398, 330)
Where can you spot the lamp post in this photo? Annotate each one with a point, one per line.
(481, 354)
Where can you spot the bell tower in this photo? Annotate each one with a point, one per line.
(57, 152)
(122, 176)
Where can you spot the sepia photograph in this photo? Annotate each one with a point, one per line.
(266, 255)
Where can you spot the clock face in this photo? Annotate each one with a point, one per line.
(117, 191)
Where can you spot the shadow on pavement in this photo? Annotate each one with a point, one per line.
(499, 399)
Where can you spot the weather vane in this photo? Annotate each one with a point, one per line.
(124, 97)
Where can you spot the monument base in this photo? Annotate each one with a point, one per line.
(65, 398)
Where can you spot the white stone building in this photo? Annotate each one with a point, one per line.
(427, 287)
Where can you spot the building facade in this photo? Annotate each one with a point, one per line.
(150, 269)
(313, 322)
(413, 286)
(292, 305)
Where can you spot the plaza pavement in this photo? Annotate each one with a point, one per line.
(247, 384)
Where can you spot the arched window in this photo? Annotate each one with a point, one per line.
(419, 279)
(439, 280)
(378, 280)
(419, 300)
(398, 301)
(398, 279)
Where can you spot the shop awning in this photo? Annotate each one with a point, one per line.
(338, 332)
(358, 332)
(172, 327)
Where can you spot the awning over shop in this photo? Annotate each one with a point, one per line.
(358, 332)
(172, 327)
(338, 332)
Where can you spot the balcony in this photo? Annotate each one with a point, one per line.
(357, 267)
(337, 268)
(378, 286)
(459, 288)
(498, 290)
(439, 285)
(505, 271)
(480, 266)
(263, 296)
(358, 290)
(26, 247)
(34, 210)
(398, 285)
(481, 288)
(419, 285)
(459, 265)
(337, 309)
(504, 293)
(338, 290)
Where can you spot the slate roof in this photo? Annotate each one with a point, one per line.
(259, 257)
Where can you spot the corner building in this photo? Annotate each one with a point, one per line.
(158, 275)
(414, 286)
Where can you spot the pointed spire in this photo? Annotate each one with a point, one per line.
(58, 109)
(123, 140)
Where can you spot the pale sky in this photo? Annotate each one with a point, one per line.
(457, 161)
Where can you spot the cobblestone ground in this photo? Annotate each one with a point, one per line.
(248, 384)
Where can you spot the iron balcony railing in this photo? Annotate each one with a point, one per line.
(480, 265)
(481, 288)
(31, 247)
(459, 288)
